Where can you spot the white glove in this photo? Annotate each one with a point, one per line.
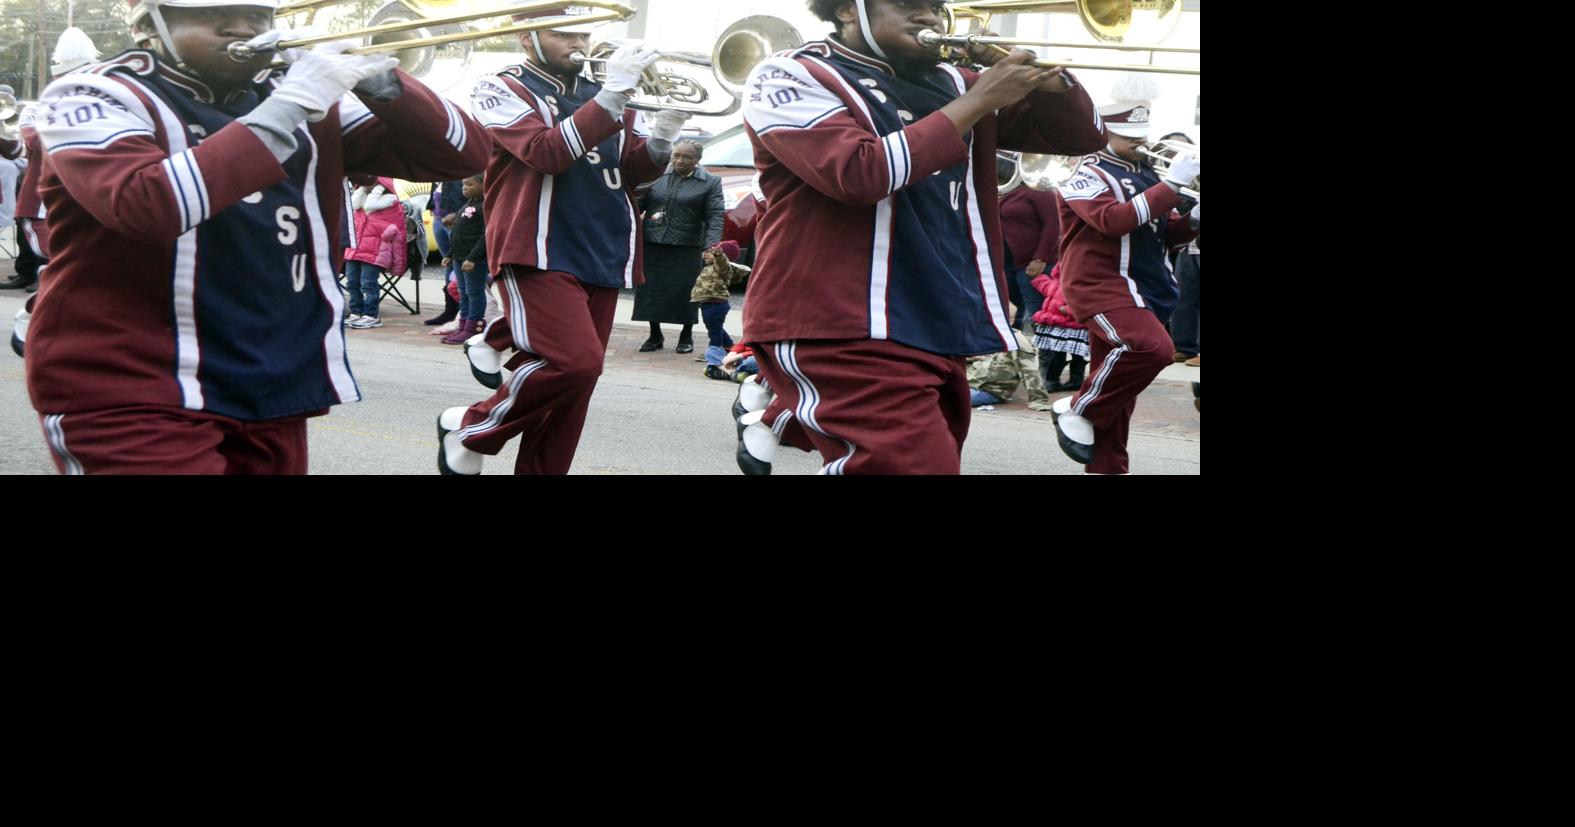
(319, 77)
(627, 65)
(1184, 169)
(265, 41)
(666, 124)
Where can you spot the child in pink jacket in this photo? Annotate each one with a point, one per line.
(1057, 334)
(377, 245)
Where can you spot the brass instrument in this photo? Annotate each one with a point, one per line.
(738, 50)
(1162, 151)
(1122, 24)
(405, 48)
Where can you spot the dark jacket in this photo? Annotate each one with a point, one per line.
(451, 198)
(684, 212)
(467, 241)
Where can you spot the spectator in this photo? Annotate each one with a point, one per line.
(683, 216)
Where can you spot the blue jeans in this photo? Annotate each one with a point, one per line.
(361, 283)
(713, 314)
(1032, 300)
(1186, 324)
(749, 365)
(983, 397)
(440, 233)
(472, 293)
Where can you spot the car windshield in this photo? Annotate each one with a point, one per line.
(730, 149)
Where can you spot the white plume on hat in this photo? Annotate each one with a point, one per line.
(1132, 100)
(73, 51)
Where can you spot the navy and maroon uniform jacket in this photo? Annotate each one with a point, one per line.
(560, 183)
(191, 269)
(884, 224)
(28, 204)
(1117, 224)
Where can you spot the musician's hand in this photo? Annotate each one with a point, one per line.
(1034, 268)
(1010, 80)
(982, 54)
(1184, 168)
(627, 66)
(319, 77)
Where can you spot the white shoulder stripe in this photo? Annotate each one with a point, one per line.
(456, 127)
(353, 114)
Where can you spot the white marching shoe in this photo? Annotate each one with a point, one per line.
(1074, 433)
(454, 459)
(486, 364)
(751, 397)
(757, 445)
(19, 330)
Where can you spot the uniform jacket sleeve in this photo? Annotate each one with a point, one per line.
(104, 145)
(639, 168)
(419, 136)
(812, 131)
(1050, 123)
(519, 127)
(1090, 196)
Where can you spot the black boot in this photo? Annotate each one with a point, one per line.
(1050, 364)
(450, 310)
(1079, 365)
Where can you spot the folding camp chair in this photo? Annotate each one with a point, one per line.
(390, 287)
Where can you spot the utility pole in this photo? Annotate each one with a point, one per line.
(42, 52)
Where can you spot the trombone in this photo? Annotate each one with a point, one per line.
(240, 52)
(1114, 21)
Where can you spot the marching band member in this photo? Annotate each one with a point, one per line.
(73, 50)
(879, 262)
(192, 319)
(563, 236)
(1118, 221)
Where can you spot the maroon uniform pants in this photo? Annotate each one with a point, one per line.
(1127, 349)
(158, 440)
(559, 325)
(869, 406)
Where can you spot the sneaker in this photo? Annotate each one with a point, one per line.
(1193, 362)
(351, 319)
(1178, 356)
(366, 322)
(714, 372)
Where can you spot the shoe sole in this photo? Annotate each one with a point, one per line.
(443, 453)
(1075, 451)
(490, 381)
(749, 465)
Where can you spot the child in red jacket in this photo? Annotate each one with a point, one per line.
(379, 238)
(1057, 334)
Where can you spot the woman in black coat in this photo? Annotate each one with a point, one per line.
(683, 217)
